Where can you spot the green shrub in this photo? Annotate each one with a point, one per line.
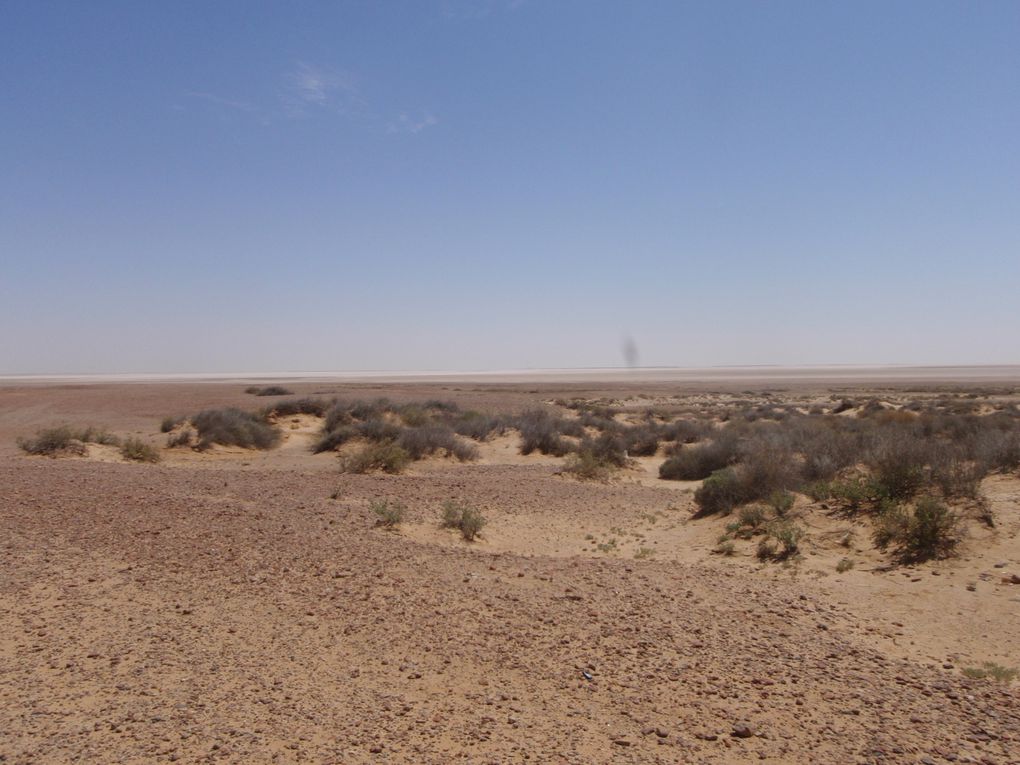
(457, 515)
(137, 450)
(724, 547)
(788, 535)
(387, 457)
(781, 502)
(586, 465)
(719, 494)
(388, 514)
(930, 531)
(993, 671)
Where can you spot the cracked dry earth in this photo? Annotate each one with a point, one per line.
(239, 614)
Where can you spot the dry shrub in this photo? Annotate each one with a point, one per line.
(234, 427)
(387, 457)
(137, 450)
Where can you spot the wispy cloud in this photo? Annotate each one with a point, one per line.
(220, 101)
(311, 86)
(407, 124)
(308, 90)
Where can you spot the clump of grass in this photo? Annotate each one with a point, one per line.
(724, 547)
(993, 671)
(930, 531)
(844, 565)
(269, 390)
(643, 553)
(468, 520)
(65, 440)
(387, 457)
(233, 427)
(137, 450)
(388, 514)
(782, 541)
(781, 502)
(589, 466)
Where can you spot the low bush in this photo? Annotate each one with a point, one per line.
(693, 463)
(992, 671)
(542, 432)
(782, 541)
(426, 440)
(65, 439)
(387, 457)
(289, 407)
(184, 437)
(137, 450)
(233, 427)
(478, 426)
(388, 514)
(930, 531)
(269, 390)
(169, 423)
(460, 516)
(587, 465)
(719, 494)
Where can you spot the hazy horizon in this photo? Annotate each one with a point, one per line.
(506, 185)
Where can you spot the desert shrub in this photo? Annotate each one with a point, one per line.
(724, 547)
(930, 531)
(898, 465)
(65, 439)
(460, 516)
(693, 463)
(429, 439)
(766, 468)
(337, 415)
(378, 429)
(387, 457)
(289, 407)
(169, 423)
(844, 565)
(414, 416)
(184, 437)
(542, 432)
(719, 494)
(478, 426)
(855, 493)
(686, 431)
(991, 670)
(269, 390)
(388, 514)
(334, 439)
(997, 449)
(781, 502)
(139, 451)
(369, 410)
(641, 440)
(782, 541)
(955, 475)
(587, 465)
(233, 427)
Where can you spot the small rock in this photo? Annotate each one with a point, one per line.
(742, 730)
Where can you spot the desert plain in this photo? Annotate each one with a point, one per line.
(230, 604)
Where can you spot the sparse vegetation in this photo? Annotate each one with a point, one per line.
(233, 427)
(387, 457)
(65, 439)
(137, 450)
(269, 390)
(930, 531)
(992, 671)
(388, 514)
(467, 519)
(844, 565)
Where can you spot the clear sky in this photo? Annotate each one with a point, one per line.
(492, 184)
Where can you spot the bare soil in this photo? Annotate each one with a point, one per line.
(242, 606)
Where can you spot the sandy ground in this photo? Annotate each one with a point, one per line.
(238, 606)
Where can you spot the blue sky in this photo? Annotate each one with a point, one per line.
(489, 184)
